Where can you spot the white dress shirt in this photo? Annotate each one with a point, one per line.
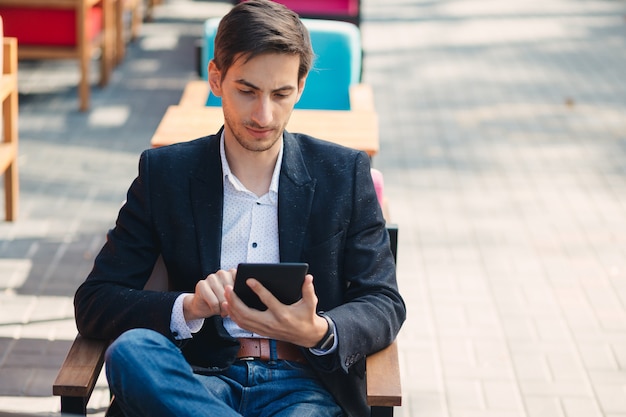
(247, 218)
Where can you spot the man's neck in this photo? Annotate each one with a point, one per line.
(253, 169)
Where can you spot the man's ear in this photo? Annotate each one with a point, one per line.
(215, 79)
(301, 85)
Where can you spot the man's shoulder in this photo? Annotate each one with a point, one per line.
(194, 149)
(311, 145)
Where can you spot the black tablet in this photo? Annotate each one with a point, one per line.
(284, 280)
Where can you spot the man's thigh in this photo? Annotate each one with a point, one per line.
(274, 389)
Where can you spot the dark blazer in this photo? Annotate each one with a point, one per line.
(328, 216)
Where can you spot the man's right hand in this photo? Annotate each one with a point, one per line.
(208, 297)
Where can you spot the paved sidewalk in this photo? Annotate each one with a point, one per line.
(503, 128)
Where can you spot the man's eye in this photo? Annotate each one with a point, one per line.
(245, 92)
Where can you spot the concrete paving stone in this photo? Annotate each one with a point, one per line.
(543, 407)
(51, 308)
(619, 352)
(52, 330)
(15, 309)
(597, 357)
(10, 331)
(42, 406)
(608, 376)
(13, 381)
(34, 360)
(422, 368)
(549, 328)
(579, 407)
(612, 398)
(502, 395)
(574, 388)
(13, 272)
(516, 328)
(42, 380)
(422, 403)
(486, 413)
(531, 367)
(462, 394)
(565, 366)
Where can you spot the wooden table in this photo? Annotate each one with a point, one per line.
(355, 129)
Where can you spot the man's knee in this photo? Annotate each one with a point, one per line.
(134, 344)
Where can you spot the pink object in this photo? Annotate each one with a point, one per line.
(323, 7)
(379, 184)
(48, 26)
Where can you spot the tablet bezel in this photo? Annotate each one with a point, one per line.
(284, 280)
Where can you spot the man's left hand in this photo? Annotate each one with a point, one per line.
(297, 323)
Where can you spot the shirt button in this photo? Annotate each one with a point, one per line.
(254, 245)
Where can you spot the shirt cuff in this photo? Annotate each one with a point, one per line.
(320, 352)
(180, 328)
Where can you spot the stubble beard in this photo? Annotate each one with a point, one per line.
(253, 145)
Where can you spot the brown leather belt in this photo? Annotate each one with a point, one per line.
(254, 348)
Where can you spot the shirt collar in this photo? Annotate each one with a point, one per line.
(227, 174)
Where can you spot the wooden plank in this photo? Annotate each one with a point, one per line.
(8, 146)
(8, 152)
(9, 49)
(361, 97)
(81, 368)
(354, 129)
(195, 93)
(8, 84)
(383, 378)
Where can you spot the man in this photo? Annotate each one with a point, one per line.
(251, 193)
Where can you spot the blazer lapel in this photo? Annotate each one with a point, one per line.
(207, 197)
(295, 196)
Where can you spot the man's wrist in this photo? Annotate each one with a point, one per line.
(188, 307)
(328, 340)
(179, 326)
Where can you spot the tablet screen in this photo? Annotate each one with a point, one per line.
(284, 280)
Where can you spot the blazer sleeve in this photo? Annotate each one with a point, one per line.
(372, 310)
(112, 299)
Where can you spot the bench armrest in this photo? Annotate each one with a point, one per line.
(80, 370)
(78, 374)
(383, 378)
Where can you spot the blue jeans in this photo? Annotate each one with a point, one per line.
(149, 376)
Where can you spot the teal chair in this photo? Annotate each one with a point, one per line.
(336, 68)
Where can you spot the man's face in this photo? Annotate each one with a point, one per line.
(258, 97)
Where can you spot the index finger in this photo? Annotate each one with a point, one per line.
(263, 293)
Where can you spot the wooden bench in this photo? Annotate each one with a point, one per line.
(8, 146)
(82, 366)
(80, 370)
(64, 29)
(78, 374)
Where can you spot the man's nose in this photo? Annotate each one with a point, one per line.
(262, 112)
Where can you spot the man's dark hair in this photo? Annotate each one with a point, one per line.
(256, 27)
